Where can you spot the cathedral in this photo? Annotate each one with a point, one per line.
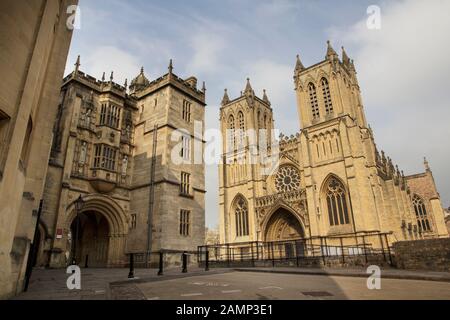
(112, 187)
(331, 179)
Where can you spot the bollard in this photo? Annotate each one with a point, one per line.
(131, 273)
(184, 259)
(86, 261)
(207, 261)
(161, 264)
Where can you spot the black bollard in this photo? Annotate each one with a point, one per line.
(131, 273)
(184, 259)
(86, 261)
(207, 261)
(161, 264)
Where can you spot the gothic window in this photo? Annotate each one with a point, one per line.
(185, 152)
(313, 101)
(327, 96)
(241, 217)
(133, 221)
(109, 115)
(241, 128)
(421, 214)
(258, 117)
(185, 222)
(185, 183)
(336, 202)
(26, 143)
(287, 179)
(105, 157)
(186, 115)
(231, 133)
(4, 122)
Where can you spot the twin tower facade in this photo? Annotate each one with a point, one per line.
(331, 180)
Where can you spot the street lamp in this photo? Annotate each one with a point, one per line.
(79, 203)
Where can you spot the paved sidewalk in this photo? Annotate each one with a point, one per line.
(387, 273)
(50, 284)
(102, 284)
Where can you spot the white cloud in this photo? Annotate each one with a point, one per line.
(207, 47)
(106, 59)
(277, 80)
(109, 58)
(404, 73)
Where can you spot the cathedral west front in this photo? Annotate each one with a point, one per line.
(331, 180)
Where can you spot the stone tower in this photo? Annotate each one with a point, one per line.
(338, 151)
(246, 126)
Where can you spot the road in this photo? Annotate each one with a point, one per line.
(268, 286)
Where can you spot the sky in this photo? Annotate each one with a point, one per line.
(403, 67)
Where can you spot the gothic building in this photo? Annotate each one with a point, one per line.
(112, 151)
(331, 178)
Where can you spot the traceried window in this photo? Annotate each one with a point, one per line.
(241, 217)
(336, 202)
(287, 179)
(109, 115)
(421, 214)
(185, 223)
(133, 221)
(185, 186)
(327, 96)
(241, 128)
(105, 157)
(231, 133)
(186, 114)
(313, 101)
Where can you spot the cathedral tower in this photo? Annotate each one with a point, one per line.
(346, 182)
(246, 125)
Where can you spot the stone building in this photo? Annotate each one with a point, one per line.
(331, 179)
(34, 42)
(113, 148)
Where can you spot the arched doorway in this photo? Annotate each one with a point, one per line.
(285, 230)
(90, 234)
(283, 225)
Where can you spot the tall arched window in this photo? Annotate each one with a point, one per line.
(313, 101)
(241, 217)
(336, 202)
(326, 96)
(241, 128)
(231, 133)
(421, 214)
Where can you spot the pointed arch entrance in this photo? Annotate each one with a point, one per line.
(283, 225)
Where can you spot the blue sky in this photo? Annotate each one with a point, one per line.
(403, 68)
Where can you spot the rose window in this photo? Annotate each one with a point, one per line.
(287, 179)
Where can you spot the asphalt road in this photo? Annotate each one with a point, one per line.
(268, 286)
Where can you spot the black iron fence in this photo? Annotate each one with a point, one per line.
(361, 248)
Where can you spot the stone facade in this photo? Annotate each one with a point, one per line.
(330, 179)
(113, 148)
(34, 41)
(430, 254)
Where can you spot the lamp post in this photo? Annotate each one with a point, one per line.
(79, 203)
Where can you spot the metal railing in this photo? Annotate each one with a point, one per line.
(340, 249)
